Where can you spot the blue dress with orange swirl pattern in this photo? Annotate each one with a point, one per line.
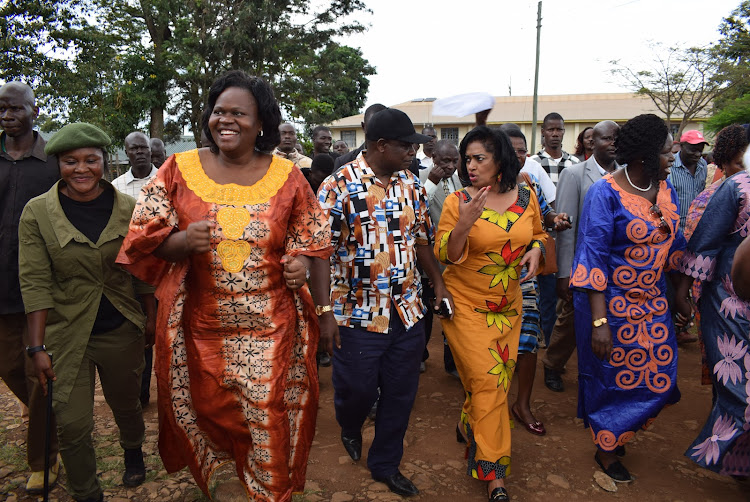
(624, 252)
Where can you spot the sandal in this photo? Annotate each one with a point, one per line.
(499, 494)
(535, 427)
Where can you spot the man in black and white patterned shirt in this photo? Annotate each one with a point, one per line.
(552, 157)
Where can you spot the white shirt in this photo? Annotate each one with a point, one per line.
(533, 167)
(425, 162)
(130, 185)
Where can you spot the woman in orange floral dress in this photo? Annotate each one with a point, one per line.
(487, 233)
(228, 233)
(628, 238)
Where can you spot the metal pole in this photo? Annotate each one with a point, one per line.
(536, 76)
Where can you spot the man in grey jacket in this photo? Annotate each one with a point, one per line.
(571, 191)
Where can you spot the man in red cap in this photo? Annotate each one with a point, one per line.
(688, 175)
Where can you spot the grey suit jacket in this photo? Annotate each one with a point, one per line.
(438, 196)
(574, 182)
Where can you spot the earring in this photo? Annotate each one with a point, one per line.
(260, 133)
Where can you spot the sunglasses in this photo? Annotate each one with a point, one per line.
(663, 225)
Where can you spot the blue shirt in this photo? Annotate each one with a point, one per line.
(686, 185)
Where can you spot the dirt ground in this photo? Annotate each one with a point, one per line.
(558, 466)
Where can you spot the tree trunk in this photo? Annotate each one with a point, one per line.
(156, 129)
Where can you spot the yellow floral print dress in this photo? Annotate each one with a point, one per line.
(485, 329)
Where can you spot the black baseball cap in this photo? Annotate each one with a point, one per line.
(393, 124)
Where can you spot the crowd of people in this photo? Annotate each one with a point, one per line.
(238, 268)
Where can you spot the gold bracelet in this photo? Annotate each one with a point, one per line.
(599, 322)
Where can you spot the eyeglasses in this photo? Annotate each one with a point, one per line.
(663, 225)
(521, 151)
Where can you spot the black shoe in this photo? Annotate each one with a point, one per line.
(616, 471)
(620, 451)
(353, 446)
(324, 359)
(399, 484)
(552, 380)
(135, 469)
(499, 494)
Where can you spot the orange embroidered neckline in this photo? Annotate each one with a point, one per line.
(637, 205)
(232, 194)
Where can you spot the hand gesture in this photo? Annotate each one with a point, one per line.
(43, 369)
(601, 342)
(295, 272)
(531, 260)
(150, 331)
(470, 211)
(439, 172)
(684, 316)
(329, 333)
(563, 289)
(562, 222)
(441, 293)
(198, 237)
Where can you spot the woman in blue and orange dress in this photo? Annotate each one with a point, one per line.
(487, 233)
(228, 233)
(628, 238)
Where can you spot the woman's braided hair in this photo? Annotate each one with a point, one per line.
(642, 138)
(729, 142)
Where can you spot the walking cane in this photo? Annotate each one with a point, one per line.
(47, 436)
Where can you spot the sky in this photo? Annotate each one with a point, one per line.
(439, 48)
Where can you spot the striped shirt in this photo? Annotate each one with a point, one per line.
(555, 166)
(687, 185)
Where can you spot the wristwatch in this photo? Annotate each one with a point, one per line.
(600, 322)
(30, 351)
(322, 309)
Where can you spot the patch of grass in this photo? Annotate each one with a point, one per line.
(10, 454)
(302, 497)
(194, 494)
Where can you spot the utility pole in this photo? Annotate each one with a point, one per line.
(536, 76)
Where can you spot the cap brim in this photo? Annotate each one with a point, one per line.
(416, 138)
(699, 142)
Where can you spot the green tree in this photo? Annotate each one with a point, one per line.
(680, 82)
(331, 84)
(733, 61)
(262, 37)
(77, 69)
(125, 63)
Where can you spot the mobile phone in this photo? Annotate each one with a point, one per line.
(445, 309)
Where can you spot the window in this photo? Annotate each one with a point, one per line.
(350, 138)
(449, 133)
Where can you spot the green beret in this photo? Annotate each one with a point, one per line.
(78, 135)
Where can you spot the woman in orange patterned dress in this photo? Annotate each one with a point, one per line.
(628, 238)
(228, 234)
(487, 233)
